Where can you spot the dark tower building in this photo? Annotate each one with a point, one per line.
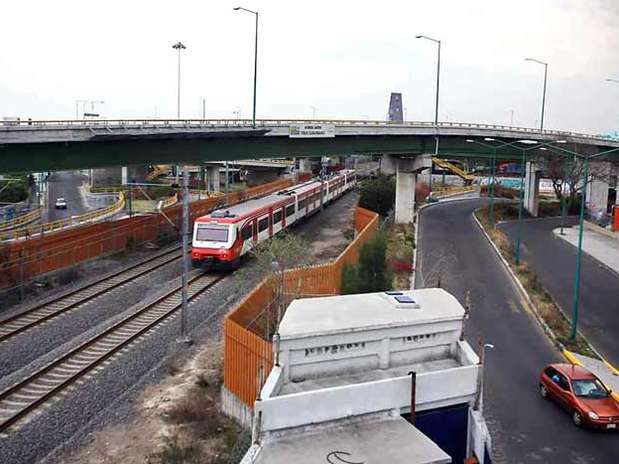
(395, 107)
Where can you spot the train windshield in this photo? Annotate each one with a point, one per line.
(212, 234)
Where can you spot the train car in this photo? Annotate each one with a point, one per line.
(222, 237)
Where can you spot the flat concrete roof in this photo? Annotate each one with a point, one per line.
(367, 376)
(351, 313)
(393, 441)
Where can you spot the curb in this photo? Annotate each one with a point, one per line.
(615, 272)
(536, 314)
(417, 221)
(523, 292)
(573, 360)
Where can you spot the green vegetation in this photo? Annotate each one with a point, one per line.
(400, 247)
(14, 191)
(544, 305)
(372, 273)
(378, 194)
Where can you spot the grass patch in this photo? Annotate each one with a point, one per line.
(544, 304)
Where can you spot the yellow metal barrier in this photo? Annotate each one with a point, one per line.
(64, 223)
(170, 201)
(21, 220)
(453, 168)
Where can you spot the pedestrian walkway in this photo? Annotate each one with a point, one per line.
(600, 245)
(602, 369)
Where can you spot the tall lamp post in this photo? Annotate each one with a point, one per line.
(184, 338)
(178, 46)
(438, 81)
(494, 149)
(255, 13)
(581, 221)
(533, 60)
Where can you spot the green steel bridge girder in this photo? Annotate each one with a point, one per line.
(56, 156)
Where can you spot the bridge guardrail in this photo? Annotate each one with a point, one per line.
(21, 220)
(60, 224)
(247, 123)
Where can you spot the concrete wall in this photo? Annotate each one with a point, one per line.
(434, 389)
(259, 177)
(325, 355)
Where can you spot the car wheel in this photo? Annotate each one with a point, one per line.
(577, 418)
(543, 391)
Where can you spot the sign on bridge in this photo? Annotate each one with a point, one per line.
(312, 130)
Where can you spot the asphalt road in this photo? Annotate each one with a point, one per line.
(65, 184)
(554, 260)
(524, 427)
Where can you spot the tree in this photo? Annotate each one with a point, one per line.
(566, 173)
(378, 194)
(372, 273)
(271, 259)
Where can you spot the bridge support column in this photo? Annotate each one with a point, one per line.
(212, 173)
(531, 188)
(305, 165)
(598, 189)
(405, 196)
(406, 170)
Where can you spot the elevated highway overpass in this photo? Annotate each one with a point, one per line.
(78, 144)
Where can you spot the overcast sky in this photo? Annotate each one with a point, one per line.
(342, 57)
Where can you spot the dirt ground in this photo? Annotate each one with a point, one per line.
(169, 417)
(178, 420)
(330, 234)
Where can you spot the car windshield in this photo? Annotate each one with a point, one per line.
(212, 234)
(589, 388)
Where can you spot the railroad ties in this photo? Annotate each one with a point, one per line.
(70, 301)
(30, 394)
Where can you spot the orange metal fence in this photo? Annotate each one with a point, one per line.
(246, 349)
(24, 260)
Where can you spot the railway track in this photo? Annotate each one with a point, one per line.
(29, 395)
(45, 311)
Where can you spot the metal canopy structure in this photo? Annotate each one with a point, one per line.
(80, 144)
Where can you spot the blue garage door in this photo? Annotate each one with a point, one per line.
(447, 427)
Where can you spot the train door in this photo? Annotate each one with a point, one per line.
(270, 222)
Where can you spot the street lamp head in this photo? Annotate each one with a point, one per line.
(179, 46)
(236, 8)
(470, 141)
(527, 142)
(488, 345)
(489, 139)
(419, 37)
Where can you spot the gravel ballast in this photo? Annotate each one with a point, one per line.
(106, 396)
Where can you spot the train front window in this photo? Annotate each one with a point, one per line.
(212, 234)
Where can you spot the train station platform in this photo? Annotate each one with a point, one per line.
(597, 242)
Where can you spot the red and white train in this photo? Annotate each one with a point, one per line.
(225, 235)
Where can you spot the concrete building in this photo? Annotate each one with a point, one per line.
(342, 383)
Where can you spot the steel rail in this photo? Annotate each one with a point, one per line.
(43, 312)
(26, 396)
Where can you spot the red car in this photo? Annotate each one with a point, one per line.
(582, 394)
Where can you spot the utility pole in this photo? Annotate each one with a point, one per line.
(184, 338)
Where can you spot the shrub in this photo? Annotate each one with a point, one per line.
(378, 194)
(372, 273)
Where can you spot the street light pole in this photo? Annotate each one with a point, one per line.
(438, 81)
(581, 222)
(178, 46)
(533, 60)
(184, 338)
(255, 13)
